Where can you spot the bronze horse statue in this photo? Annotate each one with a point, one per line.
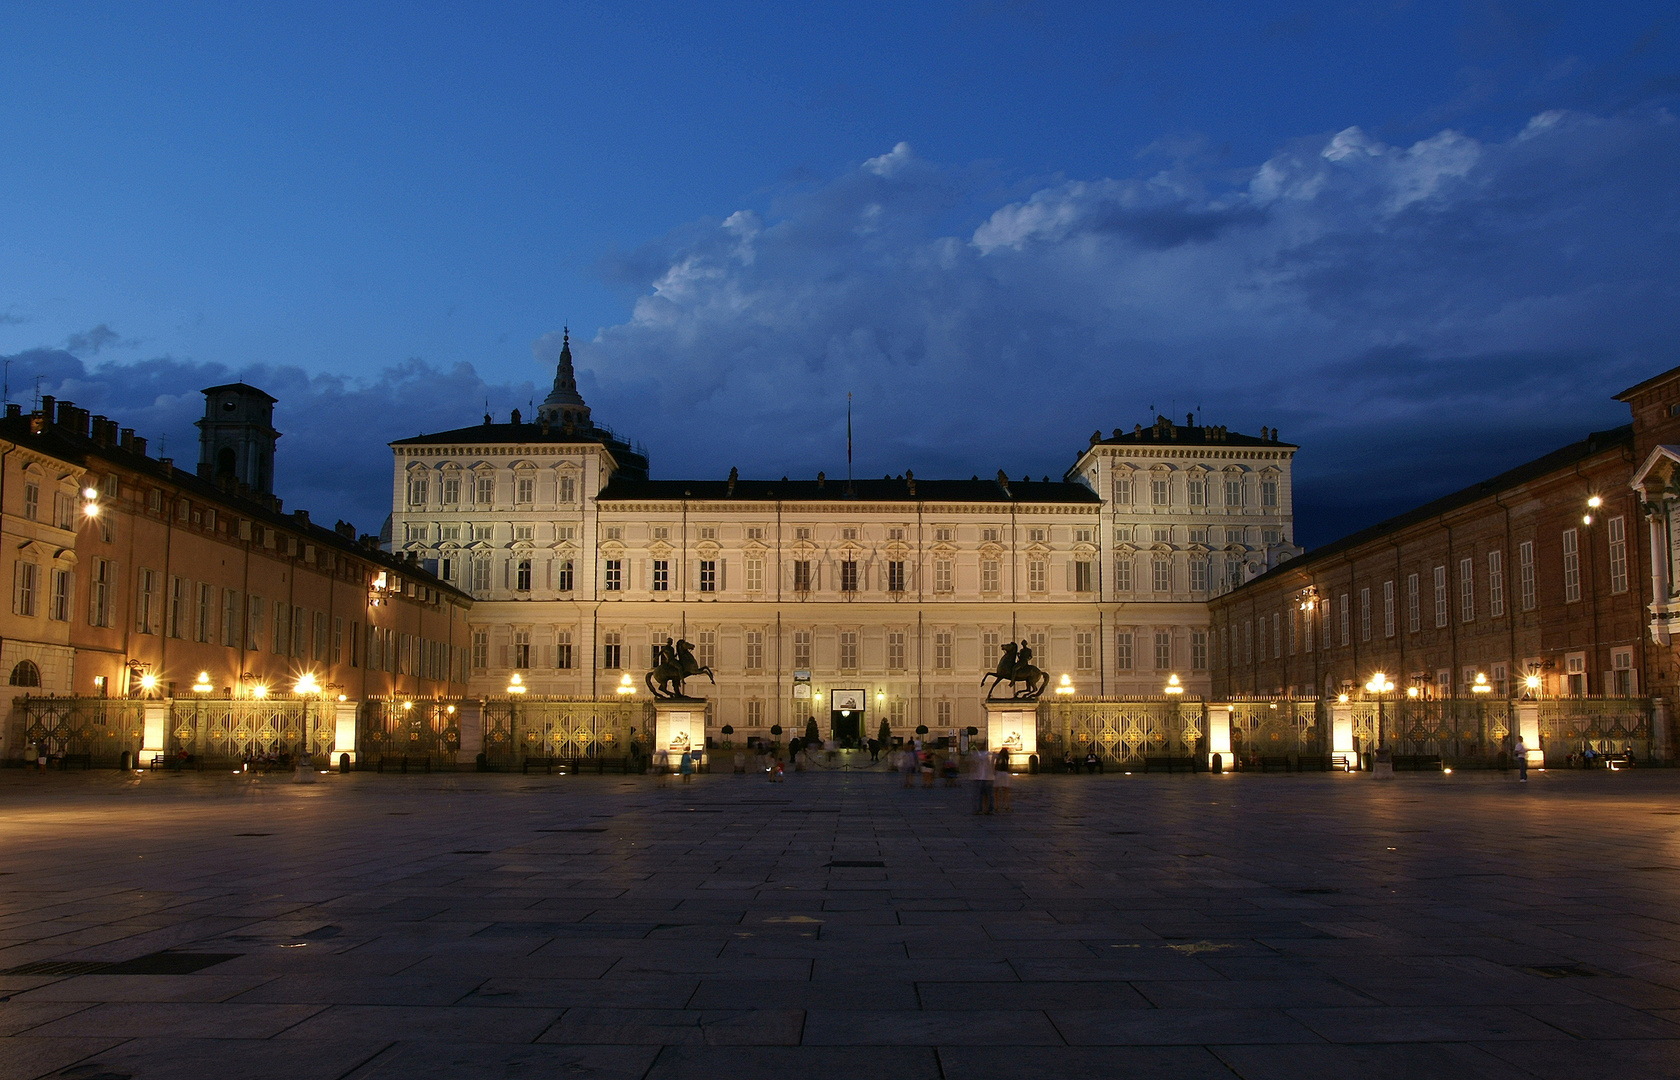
(1015, 667)
(671, 665)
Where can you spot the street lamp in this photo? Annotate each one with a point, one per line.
(201, 685)
(625, 686)
(1173, 687)
(1065, 686)
(1379, 685)
(516, 684)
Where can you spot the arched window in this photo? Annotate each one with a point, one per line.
(25, 673)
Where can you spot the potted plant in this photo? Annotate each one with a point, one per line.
(728, 742)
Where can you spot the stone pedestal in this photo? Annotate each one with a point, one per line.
(1012, 726)
(679, 726)
(469, 721)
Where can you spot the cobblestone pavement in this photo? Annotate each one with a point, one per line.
(838, 925)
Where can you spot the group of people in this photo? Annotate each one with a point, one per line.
(688, 762)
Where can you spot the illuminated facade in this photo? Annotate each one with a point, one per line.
(897, 592)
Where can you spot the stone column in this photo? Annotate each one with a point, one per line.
(1528, 726)
(156, 739)
(344, 729)
(469, 721)
(1219, 734)
(1342, 750)
(1659, 584)
(1659, 729)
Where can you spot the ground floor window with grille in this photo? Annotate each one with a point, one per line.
(1163, 650)
(612, 650)
(1082, 651)
(897, 713)
(848, 650)
(1622, 679)
(522, 648)
(942, 713)
(705, 648)
(754, 713)
(754, 650)
(480, 649)
(1198, 650)
(563, 650)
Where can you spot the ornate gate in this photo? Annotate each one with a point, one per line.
(1276, 728)
(230, 729)
(1127, 731)
(1608, 725)
(98, 727)
(517, 729)
(409, 728)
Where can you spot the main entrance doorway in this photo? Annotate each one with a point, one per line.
(845, 717)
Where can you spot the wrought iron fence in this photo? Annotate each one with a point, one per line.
(408, 728)
(1121, 731)
(1277, 728)
(1607, 725)
(99, 728)
(233, 729)
(516, 729)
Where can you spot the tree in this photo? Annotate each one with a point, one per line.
(884, 736)
(812, 735)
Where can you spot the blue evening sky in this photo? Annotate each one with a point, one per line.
(1426, 239)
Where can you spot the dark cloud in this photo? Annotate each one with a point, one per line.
(91, 342)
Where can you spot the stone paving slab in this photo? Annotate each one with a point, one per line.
(465, 925)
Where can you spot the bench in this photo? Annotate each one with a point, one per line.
(175, 762)
(423, 762)
(1417, 762)
(1170, 764)
(1344, 761)
(1267, 764)
(549, 764)
(66, 760)
(1316, 763)
(621, 763)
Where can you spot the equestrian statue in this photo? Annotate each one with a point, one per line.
(1015, 667)
(671, 665)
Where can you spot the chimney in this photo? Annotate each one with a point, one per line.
(168, 463)
(910, 482)
(47, 405)
(99, 431)
(821, 480)
(734, 475)
(13, 410)
(140, 446)
(302, 516)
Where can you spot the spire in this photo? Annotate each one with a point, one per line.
(564, 403)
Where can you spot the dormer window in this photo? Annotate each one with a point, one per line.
(707, 532)
(1084, 536)
(989, 536)
(614, 532)
(802, 532)
(944, 534)
(849, 533)
(662, 532)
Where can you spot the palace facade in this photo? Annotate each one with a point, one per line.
(890, 596)
(133, 578)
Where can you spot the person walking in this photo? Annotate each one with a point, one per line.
(662, 766)
(1522, 761)
(1000, 783)
(686, 766)
(980, 773)
(927, 768)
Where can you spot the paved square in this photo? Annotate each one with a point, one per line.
(839, 925)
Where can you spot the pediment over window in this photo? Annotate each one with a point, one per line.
(65, 555)
(897, 550)
(803, 548)
(944, 548)
(754, 547)
(991, 549)
(707, 549)
(612, 549)
(480, 546)
(564, 547)
(1038, 548)
(415, 467)
(660, 549)
(1084, 550)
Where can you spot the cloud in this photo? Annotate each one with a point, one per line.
(91, 342)
(1415, 316)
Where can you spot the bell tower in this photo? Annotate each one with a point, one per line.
(236, 437)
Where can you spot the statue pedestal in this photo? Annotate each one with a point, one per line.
(679, 726)
(1012, 726)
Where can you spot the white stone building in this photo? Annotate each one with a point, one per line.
(893, 594)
